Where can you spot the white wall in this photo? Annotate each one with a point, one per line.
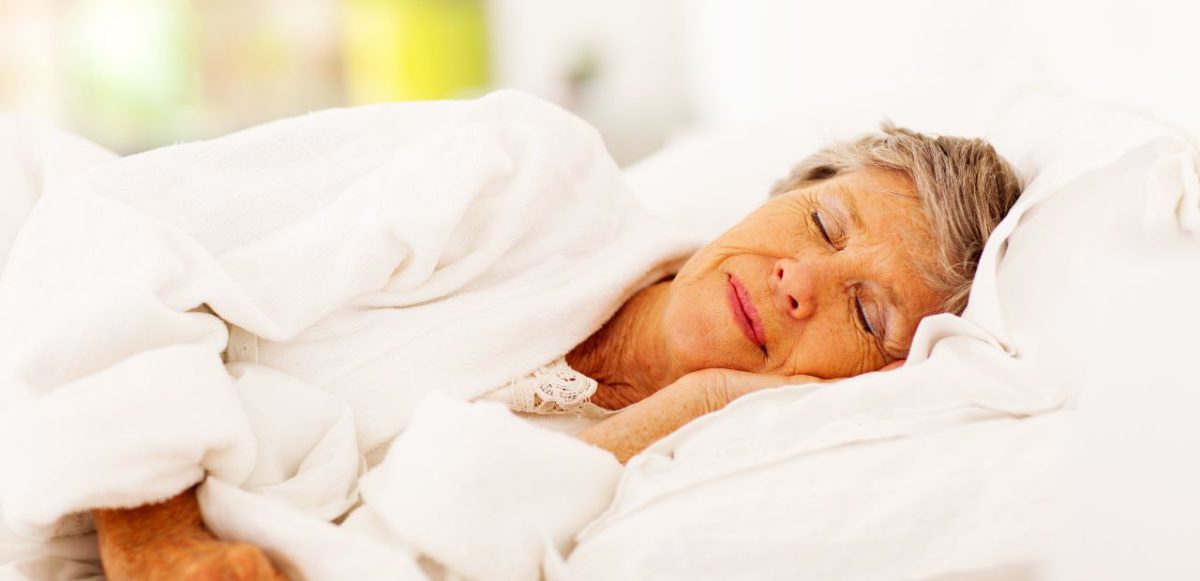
(755, 59)
(637, 97)
(766, 58)
(665, 65)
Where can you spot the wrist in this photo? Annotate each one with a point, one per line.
(640, 425)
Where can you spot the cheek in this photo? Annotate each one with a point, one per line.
(703, 262)
(829, 353)
(761, 233)
(699, 331)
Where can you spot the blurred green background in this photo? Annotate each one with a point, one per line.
(137, 74)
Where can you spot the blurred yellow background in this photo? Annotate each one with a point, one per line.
(137, 74)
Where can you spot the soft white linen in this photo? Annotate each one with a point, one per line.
(531, 509)
(366, 257)
(950, 467)
(34, 158)
(470, 486)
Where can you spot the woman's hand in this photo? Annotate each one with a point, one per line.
(693, 395)
(715, 388)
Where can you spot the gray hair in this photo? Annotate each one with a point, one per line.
(965, 187)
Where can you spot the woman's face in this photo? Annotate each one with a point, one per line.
(822, 280)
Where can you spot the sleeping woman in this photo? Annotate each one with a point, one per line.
(542, 270)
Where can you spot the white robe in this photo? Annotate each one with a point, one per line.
(366, 258)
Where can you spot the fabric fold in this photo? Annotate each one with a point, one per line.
(485, 493)
(367, 257)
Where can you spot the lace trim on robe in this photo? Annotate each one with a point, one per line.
(553, 388)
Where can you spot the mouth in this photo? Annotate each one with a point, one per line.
(744, 313)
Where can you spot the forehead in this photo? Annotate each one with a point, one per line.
(871, 192)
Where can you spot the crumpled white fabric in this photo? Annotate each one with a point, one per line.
(36, 158)
(475, 491)
(374, 255)
(532, 509)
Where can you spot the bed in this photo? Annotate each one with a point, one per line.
(1004, 433)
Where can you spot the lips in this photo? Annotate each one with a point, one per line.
(744, 313)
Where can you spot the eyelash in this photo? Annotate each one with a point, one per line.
(816, 218)
(862, 317)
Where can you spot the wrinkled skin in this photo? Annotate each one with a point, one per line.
(805, 288)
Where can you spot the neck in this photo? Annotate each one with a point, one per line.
(628, 356)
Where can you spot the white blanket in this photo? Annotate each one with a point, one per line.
(365, 258)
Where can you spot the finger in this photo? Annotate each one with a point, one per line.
(739, 383)
(727, 385)
(806, 379)
(743, 383)
(894, 365)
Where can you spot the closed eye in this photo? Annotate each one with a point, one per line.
(862, 317)
(816, 218)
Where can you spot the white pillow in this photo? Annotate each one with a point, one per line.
(949, 467)
(706, 181)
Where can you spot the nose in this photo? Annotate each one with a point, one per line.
(796, 288)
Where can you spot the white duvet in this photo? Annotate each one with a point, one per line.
(365, 258)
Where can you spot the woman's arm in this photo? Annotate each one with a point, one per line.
(168, 540)
(628, 433)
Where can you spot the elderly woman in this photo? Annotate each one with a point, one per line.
(827, 279)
